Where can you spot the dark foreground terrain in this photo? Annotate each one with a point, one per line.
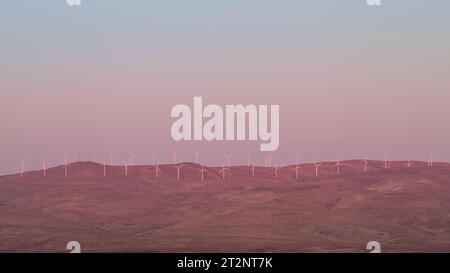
(405, 209)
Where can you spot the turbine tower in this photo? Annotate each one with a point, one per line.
(175, 156)
(409, 162)
(196, 154)
(22, 166)
(386, 161)
(154, 155)
(110, 162)
(252, 168)
(66, 158)
(111, 158)
(296, 169)
(125, 164)
(223, 171)
(44, 166)
(179, 170)
(203, 171)
(430, 159)
(228, 157)
(157, 171)
(338, 167)
(317, 168)
(269, 160)
(276, 169)
(365, 164)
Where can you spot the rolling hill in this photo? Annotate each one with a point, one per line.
(405, 209)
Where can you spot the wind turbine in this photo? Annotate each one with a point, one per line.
(157, 171)
(179, 170)
(252, 167)
(409, 157)
(317, 168)
(66, 158)
(365, 164)
(223, 171)
(154, 155)
(125, 164)
(269, 160)
(430, 159)
(228, 157)
(110, 162)
(111, 158)
(338, 167)
(44, 166)
(22, 166)
(196, 154)
(276, 169)
(386, 161)
(203, 171)
(297, 167)
(175, 156)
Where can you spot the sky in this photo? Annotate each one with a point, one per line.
(351, 80)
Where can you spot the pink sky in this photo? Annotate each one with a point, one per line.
(345, 91)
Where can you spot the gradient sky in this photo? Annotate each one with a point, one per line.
(351, 80)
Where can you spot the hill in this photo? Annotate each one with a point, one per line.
(405, 209)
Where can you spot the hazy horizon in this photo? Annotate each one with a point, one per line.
(351, 80)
